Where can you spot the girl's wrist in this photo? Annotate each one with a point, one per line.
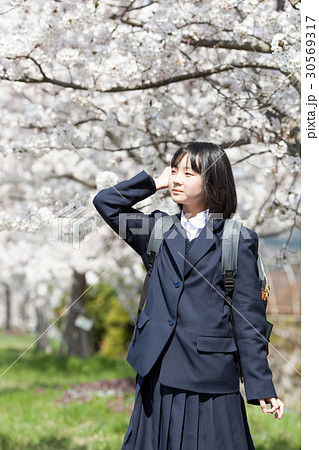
(158, 184)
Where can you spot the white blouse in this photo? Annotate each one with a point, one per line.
(194, 225)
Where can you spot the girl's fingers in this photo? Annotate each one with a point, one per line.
(263, 405)
(274, 405)
(277, 406)
(281, 409)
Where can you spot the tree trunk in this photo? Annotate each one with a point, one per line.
(24, 314)
(8, 307)
(79, 342)
(42, 326)
(280, 5)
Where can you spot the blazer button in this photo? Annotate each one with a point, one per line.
(178, 284)
(171, 322)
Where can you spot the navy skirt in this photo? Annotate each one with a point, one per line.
(166, 418)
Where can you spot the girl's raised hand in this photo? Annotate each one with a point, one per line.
(162, 181)
(277, 406)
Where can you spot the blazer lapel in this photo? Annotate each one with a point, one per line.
(203, 243)
(175, 241)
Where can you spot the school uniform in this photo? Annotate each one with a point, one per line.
(187, 393)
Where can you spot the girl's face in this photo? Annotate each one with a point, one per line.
(186, 186)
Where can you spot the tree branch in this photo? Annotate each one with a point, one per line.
(5, 12)
(261, 47)
(148, 84)
(249, 156)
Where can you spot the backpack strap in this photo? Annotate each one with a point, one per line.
(263, 278)
(230, 241)
(162, 224)
(265, 288)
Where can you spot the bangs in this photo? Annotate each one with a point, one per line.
(211, 162)
(180, 153)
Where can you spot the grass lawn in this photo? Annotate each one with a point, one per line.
(48, 402)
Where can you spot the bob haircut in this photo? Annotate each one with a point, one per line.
(218, 180)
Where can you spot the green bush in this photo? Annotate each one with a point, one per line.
(99, 299)
(119, 331)
(58, 311)
(112, 329)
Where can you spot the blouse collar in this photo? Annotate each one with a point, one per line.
(195, 224)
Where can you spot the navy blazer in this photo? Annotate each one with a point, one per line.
(186, 320)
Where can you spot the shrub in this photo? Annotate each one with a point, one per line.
(118, 331)
(99, 299)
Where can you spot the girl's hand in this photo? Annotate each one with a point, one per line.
(162, 181)
(277, 406)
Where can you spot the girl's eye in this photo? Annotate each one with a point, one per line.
(188, 173)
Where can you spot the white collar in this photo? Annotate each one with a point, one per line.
(194, 224)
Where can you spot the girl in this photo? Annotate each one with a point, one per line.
(184, 353)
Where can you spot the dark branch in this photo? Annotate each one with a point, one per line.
(148, 84)
(238, 143)
(261, 47)
(249, 156)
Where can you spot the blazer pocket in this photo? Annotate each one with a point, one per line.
(142, 319)
(215, 344)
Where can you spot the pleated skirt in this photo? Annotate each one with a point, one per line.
(166, 418)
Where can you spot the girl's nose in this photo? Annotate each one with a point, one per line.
(178, 178)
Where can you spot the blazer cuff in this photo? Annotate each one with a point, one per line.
(148, 180)
(253, 398)
(151, 179)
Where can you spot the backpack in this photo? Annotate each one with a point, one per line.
(230, 239)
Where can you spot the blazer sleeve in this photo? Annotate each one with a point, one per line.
(115, 205)
(250, 322)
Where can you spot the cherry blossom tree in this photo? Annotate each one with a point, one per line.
(94, 91)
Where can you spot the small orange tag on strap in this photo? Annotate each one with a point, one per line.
(265, 292)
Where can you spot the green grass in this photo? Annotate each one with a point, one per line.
(32, 418)
(272, 434)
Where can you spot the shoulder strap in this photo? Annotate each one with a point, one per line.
(162, 224)
(263, 277)
(230, 240)
(265, 288)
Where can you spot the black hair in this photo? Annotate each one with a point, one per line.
(218, 180)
